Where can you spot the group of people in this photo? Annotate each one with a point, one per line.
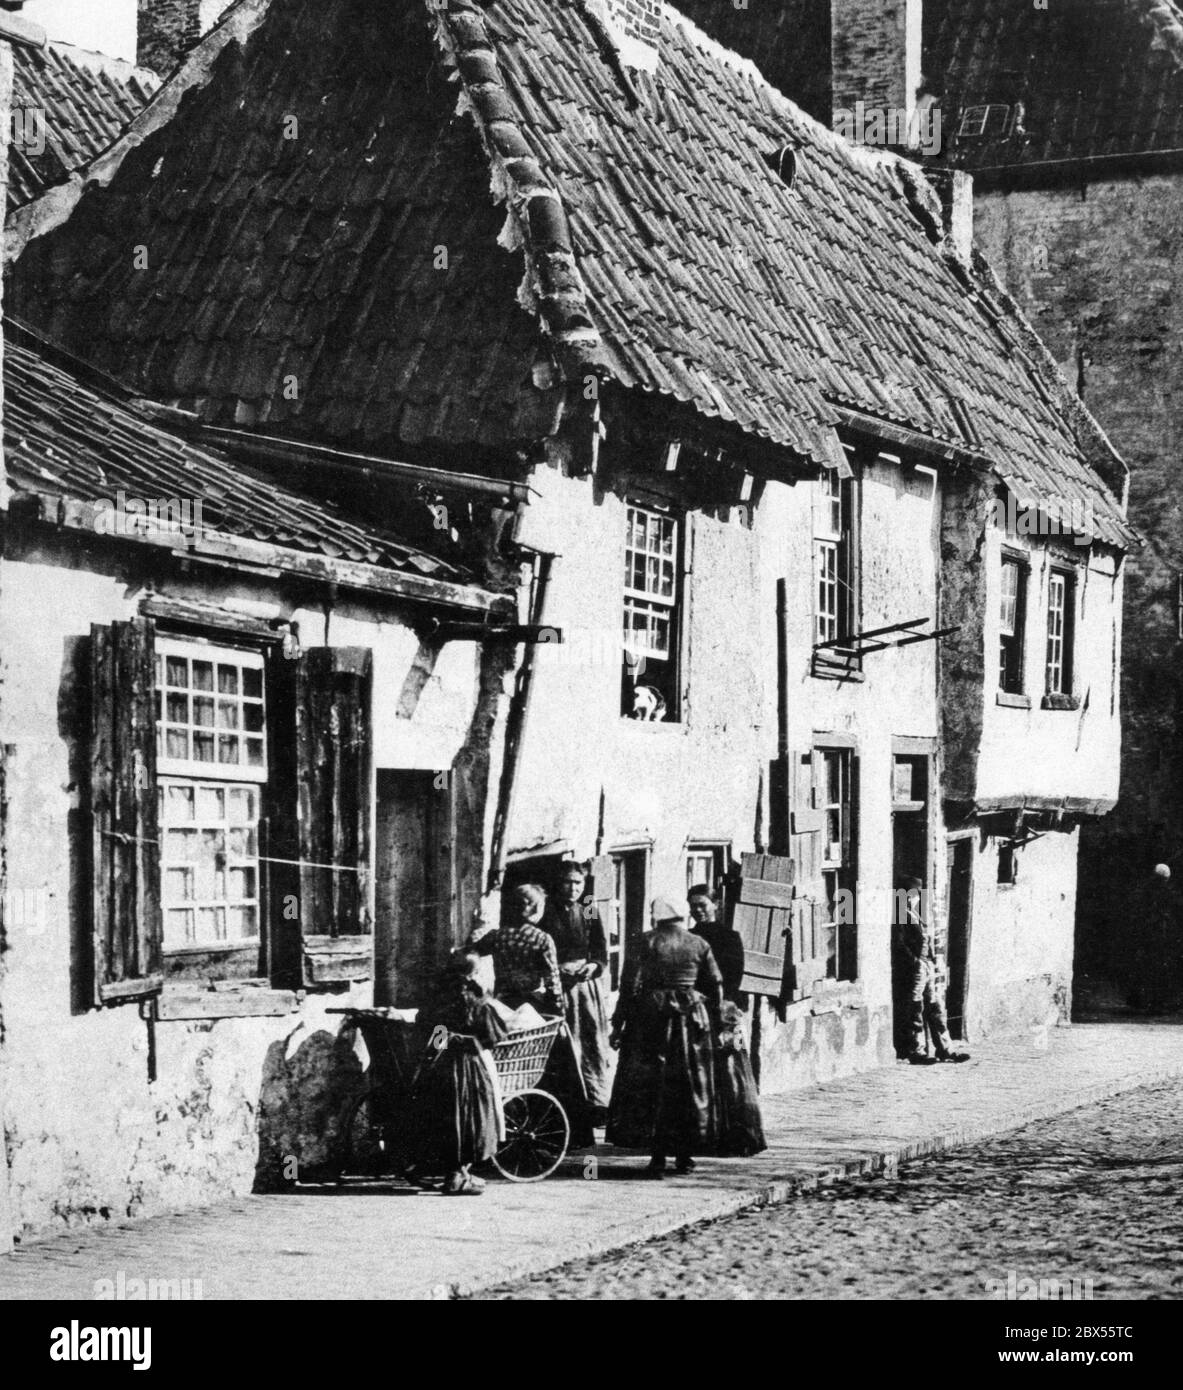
(683, 1085)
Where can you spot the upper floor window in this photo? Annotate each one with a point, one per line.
(834, 559)
(652, 616)
(1011, 622)
(1061, 609)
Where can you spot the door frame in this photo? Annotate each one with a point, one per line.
(959, 842)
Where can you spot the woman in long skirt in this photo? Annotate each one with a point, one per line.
(582, 949)
(663, 1099)
(456, 1106)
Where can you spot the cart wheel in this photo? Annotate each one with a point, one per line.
(363, 1148)
(536, 1135)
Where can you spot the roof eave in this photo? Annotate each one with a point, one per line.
(265, 559)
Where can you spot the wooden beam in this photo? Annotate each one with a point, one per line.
(272, 560)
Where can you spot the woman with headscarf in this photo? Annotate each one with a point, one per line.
(663, 1099)
(582, 948)
(525, 964)
(526, 969)
(456, 1114)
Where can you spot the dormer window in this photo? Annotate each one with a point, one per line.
(992, 121)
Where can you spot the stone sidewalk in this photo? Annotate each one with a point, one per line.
(376, 1241)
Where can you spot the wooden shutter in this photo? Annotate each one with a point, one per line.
(334, 767)
(762, 915)
(603, 896)
(128, 954)
(806, 948)
(279, 829)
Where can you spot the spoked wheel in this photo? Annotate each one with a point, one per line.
(364, 1143)
(536, 1137)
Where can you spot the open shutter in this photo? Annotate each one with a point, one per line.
(603, 897)
(335, 775)
(762, 915)
(806, 949)
(128, 954)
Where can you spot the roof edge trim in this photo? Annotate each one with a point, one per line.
(216, 547)
(554, 288)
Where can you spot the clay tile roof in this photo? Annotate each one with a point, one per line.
(1096, 78)
(70, 106)
(653, 244)
(70, 438)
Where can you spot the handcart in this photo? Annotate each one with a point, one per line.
(372, 1139)
(537, 1130)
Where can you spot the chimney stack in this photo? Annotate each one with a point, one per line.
(168, 29)
(876, 48)
(635, 26)
(955, 188)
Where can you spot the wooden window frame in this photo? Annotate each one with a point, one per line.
(1012, 660)
(1060, 674)
(836, 549)
(245, 962)
(842, 873)
(674, 606)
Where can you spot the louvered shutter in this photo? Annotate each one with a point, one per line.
(334, 767)
(127, 922)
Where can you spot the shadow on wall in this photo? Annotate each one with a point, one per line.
(74, 728)
(301, 1095)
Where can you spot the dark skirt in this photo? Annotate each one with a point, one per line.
(454, 1117)
(587, 1018)
(663, 1100)
(740, 1125)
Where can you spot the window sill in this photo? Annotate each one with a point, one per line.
(832, 996)
(1065, 702)
(1012, 701)
(835, 670)
(337, 960)
(230, 999)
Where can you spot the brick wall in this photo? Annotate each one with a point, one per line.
(167, 30)
(875, 53)
(639, 19)
(1099, 271)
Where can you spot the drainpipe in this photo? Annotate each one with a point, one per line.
(515, 726)
(12, 30)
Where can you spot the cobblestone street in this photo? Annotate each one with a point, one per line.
(1094, 1194)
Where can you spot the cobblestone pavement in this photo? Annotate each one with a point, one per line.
(377, 1241)
(1095, 1194)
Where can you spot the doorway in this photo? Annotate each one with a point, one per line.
(412, 884)
(959, 897)
(627, 917)
(911, 858)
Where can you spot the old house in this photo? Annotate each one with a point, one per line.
(201, 794)
(756, 430)
(1068, 118)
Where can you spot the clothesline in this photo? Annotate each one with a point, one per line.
(124, 838)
